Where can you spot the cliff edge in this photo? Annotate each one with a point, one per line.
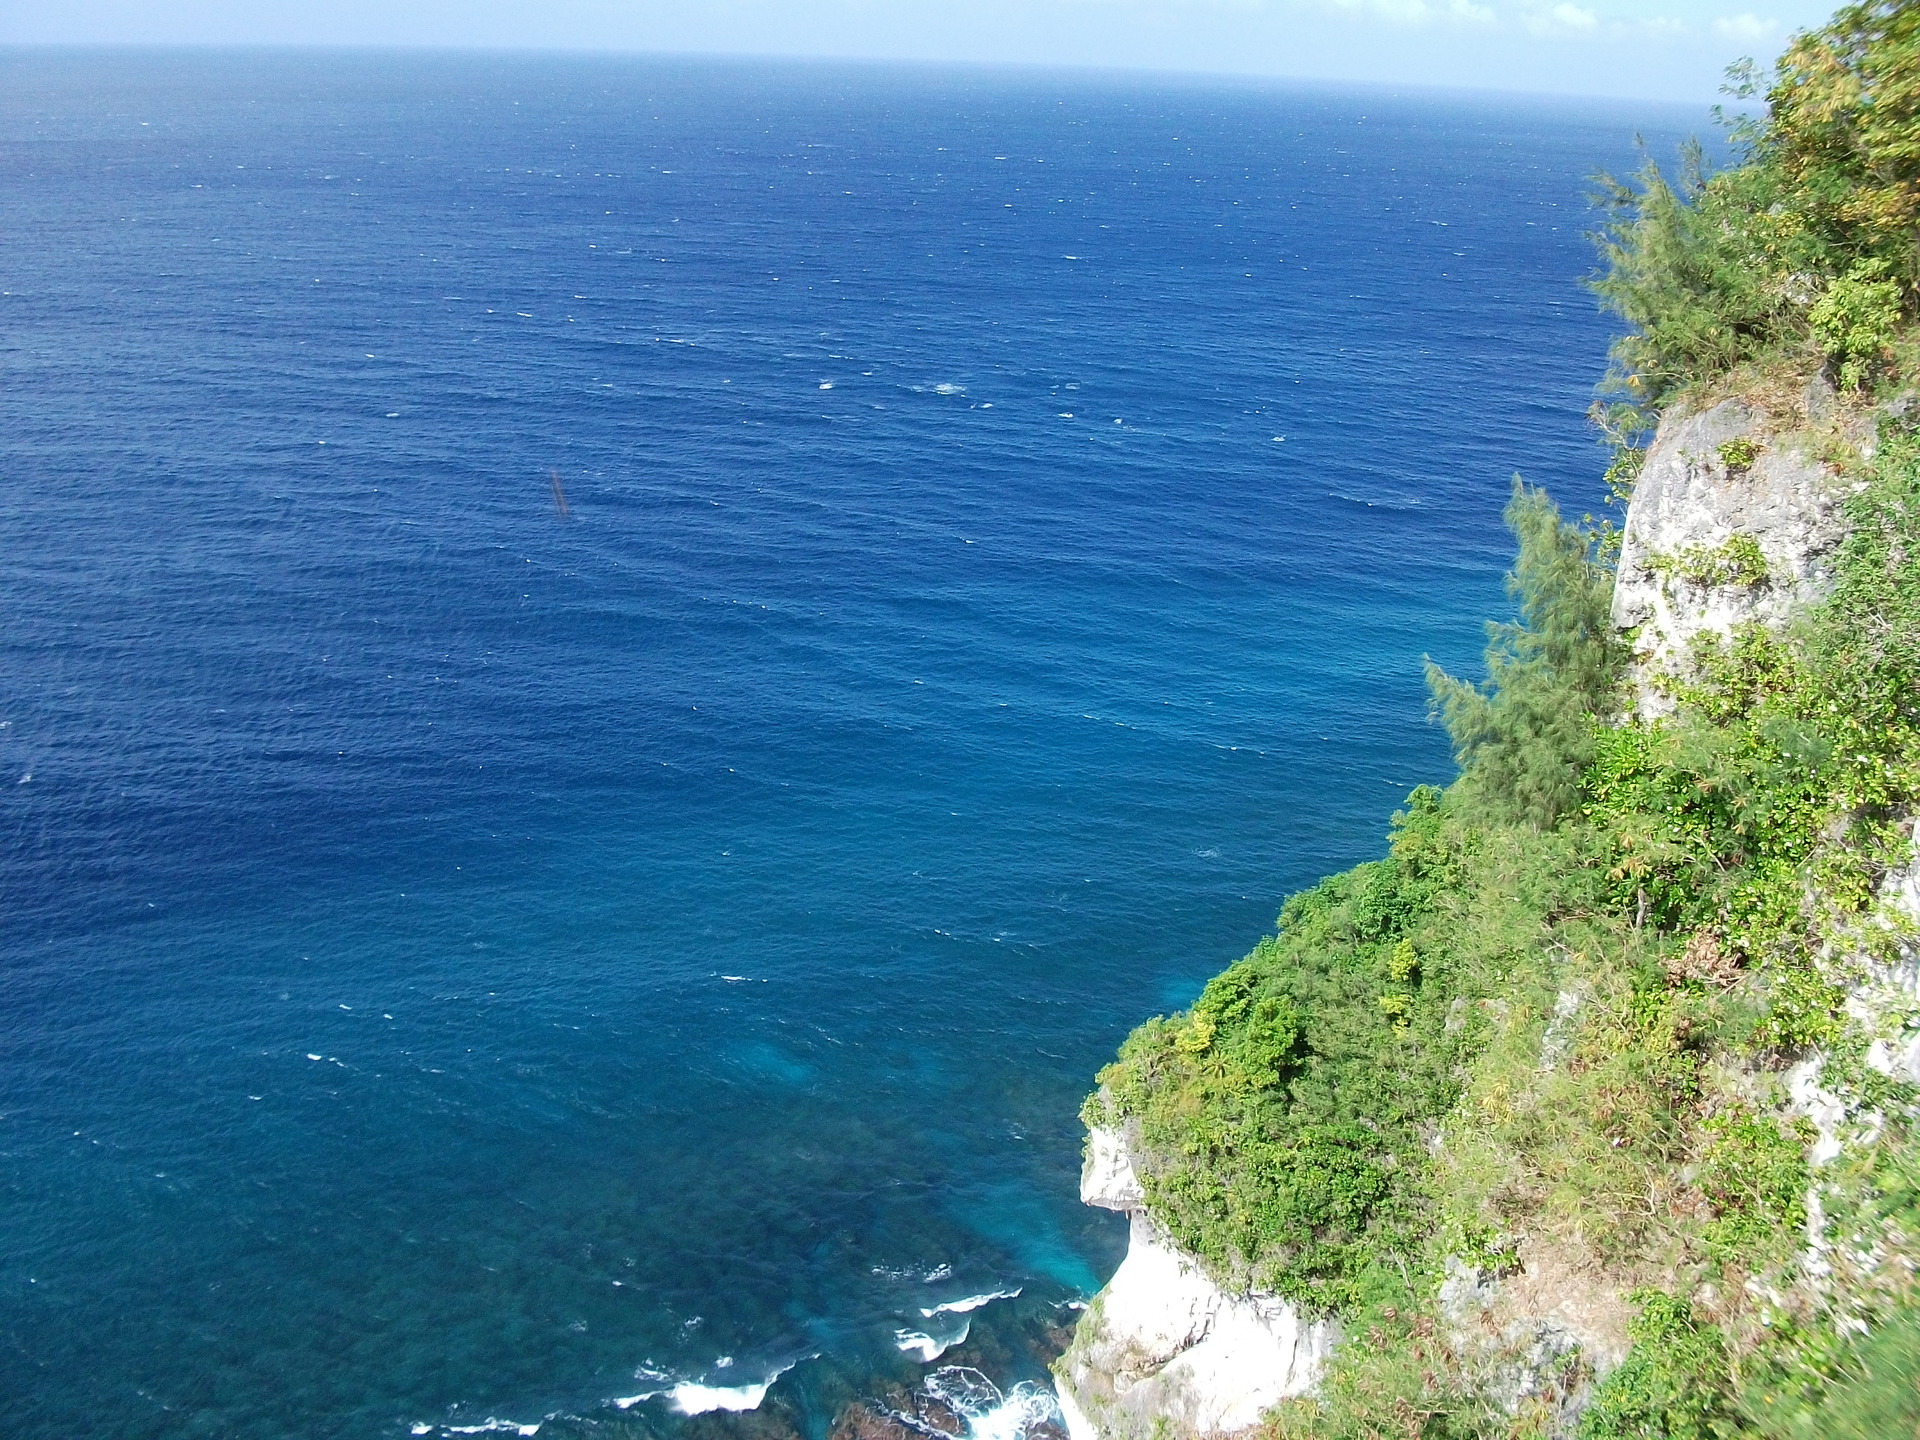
(1163, 1348)
(1733, 521)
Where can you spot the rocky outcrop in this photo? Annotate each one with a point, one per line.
(1163, 1345)
(1729, 523)
(1106, 1177)
(1889, 997)
(1536, 1337)
(1882, 979)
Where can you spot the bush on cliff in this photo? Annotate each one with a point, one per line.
(1283, 1119)
(1804, 249)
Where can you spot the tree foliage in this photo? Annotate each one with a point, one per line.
(1524, 737)
(1844, 135)
(1809, 245)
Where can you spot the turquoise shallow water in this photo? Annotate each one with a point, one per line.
(466, 964)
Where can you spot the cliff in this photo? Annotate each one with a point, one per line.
(1163, 1347)
(1737, 859)
(1735, 520)
(1592, 1107)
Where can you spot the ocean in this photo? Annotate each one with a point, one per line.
(619, 676)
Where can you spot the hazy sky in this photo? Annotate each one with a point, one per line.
(1673, 49)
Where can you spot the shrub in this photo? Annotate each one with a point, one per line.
(1844, 111)
(1755, 1176)
(1687, 270)
(1855, 321)
(1807, 241)
(1674, 1383)
(1737, 560)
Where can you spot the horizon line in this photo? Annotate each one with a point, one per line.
(1036, 68)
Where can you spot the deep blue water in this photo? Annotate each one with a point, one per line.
(466, 963)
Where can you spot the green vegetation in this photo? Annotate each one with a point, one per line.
(1551, 1025)
(1524, 736)
(1281, 1152)
(1674, 1382)
(1737, 560)
(1290, 1155)
(1804, 253)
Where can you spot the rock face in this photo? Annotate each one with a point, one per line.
(1892, 990)
(1728, 524)
(1162, 1345)
(1107, 1178)
(1883, 994)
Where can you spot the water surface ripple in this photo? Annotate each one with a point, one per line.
(463, 964)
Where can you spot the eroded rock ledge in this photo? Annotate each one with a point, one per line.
(1732, 522)
(1162, 1345)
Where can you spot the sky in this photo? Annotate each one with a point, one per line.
(1649, 49)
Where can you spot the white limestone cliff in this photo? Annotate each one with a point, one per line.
(1714, 478)
(1162, 1345)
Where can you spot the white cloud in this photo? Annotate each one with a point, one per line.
(1563, 19)
(1746, 28)
(1422, 12)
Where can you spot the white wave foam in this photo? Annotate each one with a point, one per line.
(971, 1302)
(928, 1347)
(949, 389)
(989, 1413)
(691, 1397)
(489, 1426)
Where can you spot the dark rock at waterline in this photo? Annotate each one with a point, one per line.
(867, 1422)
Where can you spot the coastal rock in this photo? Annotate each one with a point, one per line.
(1883, 997)
(1717, 492)
(1163, 1346)
(1106, 1177)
